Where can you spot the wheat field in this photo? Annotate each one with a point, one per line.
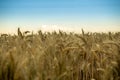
(60, 56)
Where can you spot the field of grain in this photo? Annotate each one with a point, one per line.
(60, 56)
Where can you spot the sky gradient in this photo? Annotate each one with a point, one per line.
(92, 15)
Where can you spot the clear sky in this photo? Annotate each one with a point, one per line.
(92, 15)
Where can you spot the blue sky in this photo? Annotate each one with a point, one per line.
(34, 13)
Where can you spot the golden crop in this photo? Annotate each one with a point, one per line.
(60, 56)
